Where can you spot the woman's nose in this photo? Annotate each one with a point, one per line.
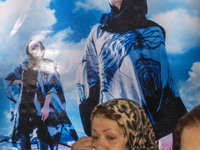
(35, 47)
(100, 145)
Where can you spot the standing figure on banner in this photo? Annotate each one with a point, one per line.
(125, 57)
(36, 91)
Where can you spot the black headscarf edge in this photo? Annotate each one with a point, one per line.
(131, 16)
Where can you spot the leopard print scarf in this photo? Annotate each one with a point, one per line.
(136, 126)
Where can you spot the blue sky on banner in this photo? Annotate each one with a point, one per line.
(63, 26)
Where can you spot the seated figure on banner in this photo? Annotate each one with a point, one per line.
(118, 124)
(38, 101)
(188, 130)
(125, 57)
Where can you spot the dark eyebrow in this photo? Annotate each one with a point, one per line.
(103, 130)
(106, 130)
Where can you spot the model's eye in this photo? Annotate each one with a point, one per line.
(111, 138)
(95, 137)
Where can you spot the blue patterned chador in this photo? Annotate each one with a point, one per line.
(130, 65)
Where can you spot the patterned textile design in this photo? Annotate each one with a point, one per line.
(113, 54)
(136, 126)
(107, 56)
(48, 81)
(132, 65)
(151, 84)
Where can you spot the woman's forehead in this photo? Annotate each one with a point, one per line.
(34, 42)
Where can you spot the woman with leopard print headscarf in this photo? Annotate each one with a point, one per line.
(119, 124)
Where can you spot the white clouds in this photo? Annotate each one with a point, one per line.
(11, 10)
(20, 21)
(66, 54)
(7, 115)
(182, 29)
(102, 5)
(27, 14)
(41, 35)
(194, 4)
(190, 89)
(18, 24)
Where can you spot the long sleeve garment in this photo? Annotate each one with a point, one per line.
(48, 81)
(131, 65)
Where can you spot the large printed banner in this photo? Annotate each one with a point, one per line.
(61, 58)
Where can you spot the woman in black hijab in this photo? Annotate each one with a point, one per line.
(125, 57)
(130, 16)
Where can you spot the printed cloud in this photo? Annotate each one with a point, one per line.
(92, 4)
(66, 54)
(21, 20)
(190, 89)
(182, 30)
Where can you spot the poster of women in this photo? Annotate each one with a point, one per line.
(59, 59)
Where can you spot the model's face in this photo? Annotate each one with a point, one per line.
(116, 3)
(34, 49)
(107, 134)
(190, 139)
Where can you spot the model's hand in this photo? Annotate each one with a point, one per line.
(44, 113)
(84, 143)
(45, 109)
